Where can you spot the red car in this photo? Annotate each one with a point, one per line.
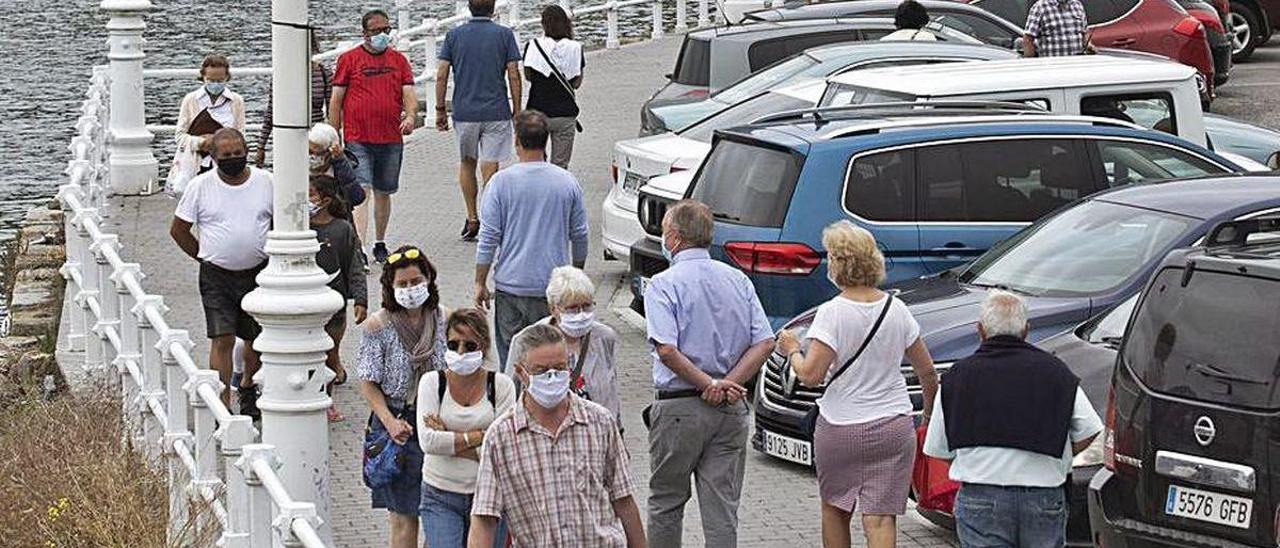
(1250, 23)
(1161, 27)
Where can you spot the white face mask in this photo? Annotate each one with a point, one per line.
(549, 388)
(413, 297)
(578, 324)
(464, 364)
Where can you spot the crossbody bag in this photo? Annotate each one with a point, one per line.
(810, 421)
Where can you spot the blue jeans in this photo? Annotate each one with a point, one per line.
(989, 516)
(446, 519)
(378, 165)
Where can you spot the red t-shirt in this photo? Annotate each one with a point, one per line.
(371, 109)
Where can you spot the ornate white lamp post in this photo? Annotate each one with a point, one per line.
(292, 301)
(133, 166)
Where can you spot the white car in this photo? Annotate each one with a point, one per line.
(637, 161)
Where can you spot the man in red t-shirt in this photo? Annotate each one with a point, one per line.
(374, 102)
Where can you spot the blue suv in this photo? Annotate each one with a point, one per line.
(936, 186)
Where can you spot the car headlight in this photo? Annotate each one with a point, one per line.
(1091, 456)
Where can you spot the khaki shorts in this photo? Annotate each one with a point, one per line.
(486, 141)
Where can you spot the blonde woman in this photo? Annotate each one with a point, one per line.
(224, 106)
(864, 441)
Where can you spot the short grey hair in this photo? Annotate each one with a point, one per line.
(1003, 313)
(537, 336)
(568, 283)
(691, 221)
(324, 135)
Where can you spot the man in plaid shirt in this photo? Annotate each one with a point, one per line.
(554, 466)
(1056, 28)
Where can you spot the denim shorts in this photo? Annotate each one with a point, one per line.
(378, 165)
(446, 519)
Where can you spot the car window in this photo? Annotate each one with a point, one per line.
(1149, 110)
(693, 65)
(1129, 162)
(881, 187)
(1013, 11)
(1000, 181)
(845, 94)
(743, 113)
(1087, 249)
(766, 79)
(747, 184)
(978, 27)
(1209, 336)
(767, 52)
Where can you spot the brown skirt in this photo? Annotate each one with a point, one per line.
(866, 467)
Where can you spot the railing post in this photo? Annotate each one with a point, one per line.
(175, 428)
(134, 168)
(152, 374)
(293, 300)
(129, 352)
(460, 8)
(205, 447)
(88, 291)
(74, 245)
(234, 435)
(682, 15)
(703, 16)
(657, 20)
(429, 89)
(513, 15)
(611, 26)
(291, 512)
(261, 511)
(108, 300)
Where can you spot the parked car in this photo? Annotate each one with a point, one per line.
(1190, 422)
(936, 187)
(974, 21)
(1155, 26)
(1220, 43)
(1251, 23)
(635, 161)
(1075, 264)
(818, 62)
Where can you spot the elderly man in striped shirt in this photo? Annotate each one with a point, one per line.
(554, 466)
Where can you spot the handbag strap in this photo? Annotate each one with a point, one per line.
(564, 82)
(871, 334)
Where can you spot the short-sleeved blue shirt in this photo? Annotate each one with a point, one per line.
(479, 51)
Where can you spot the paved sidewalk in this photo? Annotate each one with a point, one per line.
(780, 504)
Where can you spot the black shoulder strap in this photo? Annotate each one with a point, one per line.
(488, 388)
(443, 382)
(888, 301)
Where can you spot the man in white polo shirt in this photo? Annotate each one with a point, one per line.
(232, 208)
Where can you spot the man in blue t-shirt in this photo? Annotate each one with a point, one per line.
(479, 52)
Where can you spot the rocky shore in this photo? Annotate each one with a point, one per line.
(34, 292)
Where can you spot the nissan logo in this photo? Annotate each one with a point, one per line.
(1204, 431)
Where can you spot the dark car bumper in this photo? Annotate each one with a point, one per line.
(1114, 526)
(646, 262)
(1220, 48)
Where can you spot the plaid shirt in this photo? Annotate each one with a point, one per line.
(1058, 27)
(555, 490)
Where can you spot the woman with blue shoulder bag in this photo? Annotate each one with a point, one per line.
(399, 344)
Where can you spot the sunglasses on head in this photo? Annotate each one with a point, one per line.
(467, 346)
(411, 253)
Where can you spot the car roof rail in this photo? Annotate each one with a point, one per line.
(1236, 233)
(822, 114)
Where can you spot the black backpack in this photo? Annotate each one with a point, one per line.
(488, 388)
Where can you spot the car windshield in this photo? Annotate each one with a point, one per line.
(743, 113)
(1088, 249)
(1109, 329)
(838, 94)
(766, 79)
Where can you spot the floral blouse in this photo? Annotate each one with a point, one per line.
(383, 360)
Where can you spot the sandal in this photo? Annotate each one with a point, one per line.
(334, 415)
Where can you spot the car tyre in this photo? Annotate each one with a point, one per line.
(1245, 28)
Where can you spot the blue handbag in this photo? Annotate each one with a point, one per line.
(383, 458)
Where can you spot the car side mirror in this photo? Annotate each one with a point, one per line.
(669, 76)
(1273, 161)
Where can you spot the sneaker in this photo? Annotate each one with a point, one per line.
(380, 252)
(249, 403)
(470, 230)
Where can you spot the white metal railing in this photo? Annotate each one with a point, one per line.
(216, 472)
(425, 37)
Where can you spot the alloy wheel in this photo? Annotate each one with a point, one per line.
(1241, 33)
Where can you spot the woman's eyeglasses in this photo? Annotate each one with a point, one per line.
(467, 346)
(411, 253)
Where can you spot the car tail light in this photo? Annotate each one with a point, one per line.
(696, 93)
(1109, 433)
(613, 173)
(1210, 20)
(786, 259)
(1189, 27)
(675, 169)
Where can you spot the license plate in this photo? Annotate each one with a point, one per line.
(631, 182)
(1208, 506)
(786, 448)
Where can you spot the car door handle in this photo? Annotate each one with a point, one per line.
(1124, 42)
(955, 248)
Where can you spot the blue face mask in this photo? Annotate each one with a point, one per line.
(215, 88)
(666, 253)
(380, 41)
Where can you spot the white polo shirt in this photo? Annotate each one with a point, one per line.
(233, 220)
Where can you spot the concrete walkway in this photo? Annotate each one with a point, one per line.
(779, 504)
